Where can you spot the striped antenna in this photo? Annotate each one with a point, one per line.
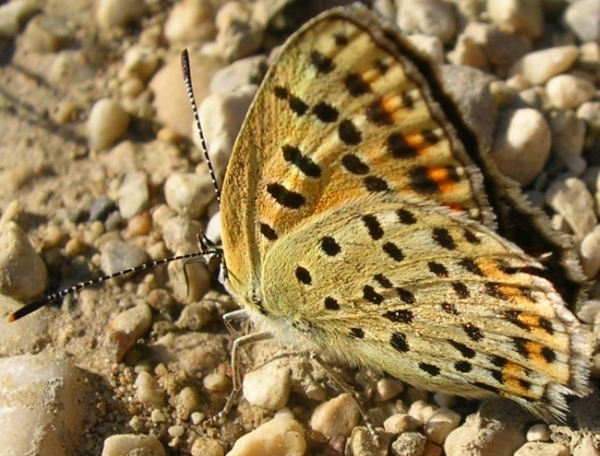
(187, 80)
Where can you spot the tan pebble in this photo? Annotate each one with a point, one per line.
(169, 135)
(122, 444)
(282, 436)
(73, 247)
(387, 388)
(190, 21)
(161, 214)
(158, 416)
(444, 400)
(176, 431)
(18, 176)
(399, 423)
(140, 63)
(521, 17)
(409, 444)
(108, 121)
(131, 87)
(337, 416)
(571, 199)
(52, 237)
(189, 194)
(147, 390)
(23, 274)
(119, 13)
(216, 383)
(205, 446)
(187, 402)
(588, 311)
(589, 253)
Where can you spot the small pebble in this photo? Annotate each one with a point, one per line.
(440, 424)
(399, 423)
(429, 17)
(568, 92)
(45, 34)
(194, 317)
(106, 124)
(571, 199)
(238, 35)
(23, 274)
(119, 13)
(127, 328)
(14, 14)
(282, 436)
(409, 444)
(568, 133)
(189, 194)
(539, 66)
(139, 225)
(361, 443)
(522, 144)
(187, 402)
(431, 46)
(588, 311)
(205, 446)
(139, 63)
(130, 444)
(157, 416)
(117, 255)
(133, 194)
(190, 21)
(147, 390)
(387, 388)
(581, 17)
(238, 74)
(589, 253)
(336, 417)
(268, 386)
(421, 410)
(542, 449)
(176, 431)
(522, 17)
(589, 112)
(100, 208)
(444, 400)
(538, 433)
(216, 383)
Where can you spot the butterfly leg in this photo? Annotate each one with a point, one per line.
(236, 374)
(349, 390)
(229, 317)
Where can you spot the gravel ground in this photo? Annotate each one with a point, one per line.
(100, 171)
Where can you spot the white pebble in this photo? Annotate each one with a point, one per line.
(440, 424)
(568, 92)
(139, 63)
(571, 199)
(157, 416)
(133, 194)
(538, 433)
(581, 17)
(108, 121)
(282, 436)
(589, 112)
(126, 444)
(23, 274)
(588, 311)
(147, 390)
(336, 417)
(189, 194)
(119, 13)
(521, 144)
(268, 386)
(431, 46)
(539, 66)
(444, 400)
(234, 40)
(176, 431)
(568, 133)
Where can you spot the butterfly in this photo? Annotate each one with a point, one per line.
(361, 222)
